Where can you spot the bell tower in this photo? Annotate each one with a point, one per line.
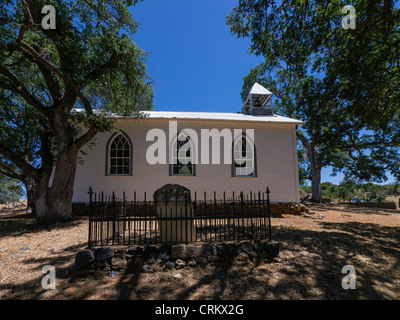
(256, 102)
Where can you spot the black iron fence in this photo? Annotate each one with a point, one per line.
(117, 221)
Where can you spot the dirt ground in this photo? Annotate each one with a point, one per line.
(313, 253)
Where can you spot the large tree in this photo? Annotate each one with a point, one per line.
(88, 61)
(342, 82)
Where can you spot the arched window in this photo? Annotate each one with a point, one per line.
(119, 155)
(243, 157)
(182, 156)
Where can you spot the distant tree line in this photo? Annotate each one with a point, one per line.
(349, 189)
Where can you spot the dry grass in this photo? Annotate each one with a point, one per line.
(395, 199)
(313, 252)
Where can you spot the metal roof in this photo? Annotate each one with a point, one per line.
(220, 116)
(259, 89)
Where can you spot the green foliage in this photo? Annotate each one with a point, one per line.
(89, 62)
(54, 81)
(342, 83)
(342, 193)
(392, 189)
(348, 189)
(91, 47)
(10, 190)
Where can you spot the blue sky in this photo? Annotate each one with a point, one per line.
(195, 62)
(197, 65)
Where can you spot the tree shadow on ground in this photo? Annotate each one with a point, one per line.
(373, 250)
(32, 288)
(309, 267)
(20, 223)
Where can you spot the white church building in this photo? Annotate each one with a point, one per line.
(203, 151)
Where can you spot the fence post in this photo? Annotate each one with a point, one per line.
(113, 215)
(168, 226)
(176, 215)
(186, 218)
(90, 217)
(124, 204)
(242, 214)
(269, 216)
(145, 216)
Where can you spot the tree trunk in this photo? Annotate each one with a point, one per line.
(54, 203)
(316, 184)
(62, 189)
(316, 195)
(40, 194)
(29, 186)
(312, 155)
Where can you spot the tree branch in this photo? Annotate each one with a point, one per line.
(24, 166)
(85, 138)
(48, 73)
(19, 88)
(98, 72)
(304, 141)
(6, 170)
(47, 64)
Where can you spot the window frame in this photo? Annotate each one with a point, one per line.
(108, 155)
(192, 149)
(235, 140)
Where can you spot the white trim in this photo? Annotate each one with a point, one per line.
(296, 166)
(207, 116)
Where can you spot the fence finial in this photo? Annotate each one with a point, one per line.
(90, 194)
(185, 194)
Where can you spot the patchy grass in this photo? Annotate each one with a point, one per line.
(313, 253)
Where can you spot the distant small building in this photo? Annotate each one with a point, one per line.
(195, 152)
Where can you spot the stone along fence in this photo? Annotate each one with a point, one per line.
(164, 257)
(176, 231)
